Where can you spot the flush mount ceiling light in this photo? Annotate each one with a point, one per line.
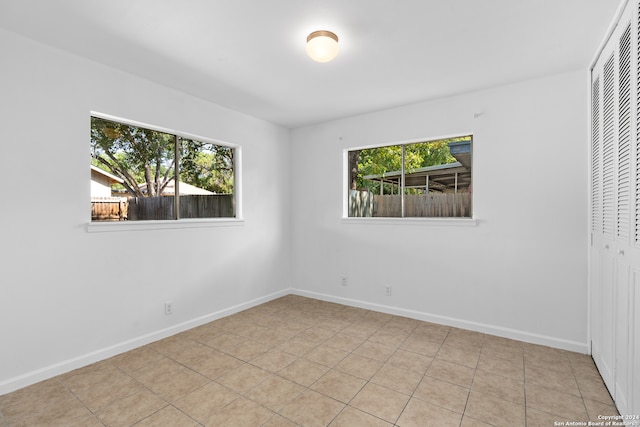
(322, 46)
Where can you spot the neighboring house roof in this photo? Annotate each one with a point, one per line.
(185, 189)
(98, 174)
(114, 179)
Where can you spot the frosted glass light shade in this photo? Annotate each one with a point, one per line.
(322, 46)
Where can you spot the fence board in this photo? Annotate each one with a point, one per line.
(387, 206)
(161, 208)
(108, 209)
(207, 206)
(191, 206)
(431, 205)
(360, 203)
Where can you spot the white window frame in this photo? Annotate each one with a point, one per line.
(431, 221)
(238, 220)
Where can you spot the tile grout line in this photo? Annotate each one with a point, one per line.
(307, 314)
(524, 382)
(475, 371)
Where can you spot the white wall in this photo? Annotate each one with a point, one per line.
(521, 272)
(60, 309)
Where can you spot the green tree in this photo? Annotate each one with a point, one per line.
(207, 166)
(380, 160)
(145, 159)
(135, 154)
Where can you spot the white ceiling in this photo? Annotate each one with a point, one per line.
(248, 55)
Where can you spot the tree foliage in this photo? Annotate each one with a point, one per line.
(135, 154)
(207, 166)
(145, 159)
(381, 160)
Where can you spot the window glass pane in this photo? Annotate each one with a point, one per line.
(133, 172)
(132, 169)
(375, 180)
(206, 180)
(437, 183)
(434, 182)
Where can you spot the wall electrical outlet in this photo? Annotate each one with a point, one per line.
(168, 308)
(387, 290)
(343, 280)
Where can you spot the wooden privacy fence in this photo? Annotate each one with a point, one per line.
(207, 206)
(431, 205)
(108, 209)
(161, 208)
(192, 206)
(360, 203)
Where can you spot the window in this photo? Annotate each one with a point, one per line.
(134, 170)
(421, 179)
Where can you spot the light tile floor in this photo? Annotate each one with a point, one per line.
(301, 362)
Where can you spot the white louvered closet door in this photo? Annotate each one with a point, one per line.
(615, 213)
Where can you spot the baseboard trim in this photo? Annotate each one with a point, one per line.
(65, 366)
(500, 331)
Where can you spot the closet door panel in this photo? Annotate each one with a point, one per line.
(604, 349)
(615, 212)
(597, 244)
(625, 226)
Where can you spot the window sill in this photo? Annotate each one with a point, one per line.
(99, 227)
(455, 222)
